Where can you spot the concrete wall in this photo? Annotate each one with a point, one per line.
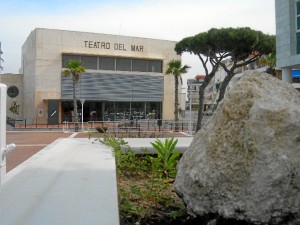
(29, 70)
(286, 43)
(42, 62)
(17, 81)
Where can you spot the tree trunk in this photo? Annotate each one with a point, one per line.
(75, 106)
(201, 106)
(224, 86)
(201, 99)
(176, 105)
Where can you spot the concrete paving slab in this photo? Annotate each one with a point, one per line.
(70, 182)
(138, 145)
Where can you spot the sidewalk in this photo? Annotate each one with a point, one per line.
(70, 182)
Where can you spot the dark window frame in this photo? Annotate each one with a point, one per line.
(112, 63)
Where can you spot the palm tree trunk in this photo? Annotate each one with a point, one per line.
(75, 106)
(176, 105)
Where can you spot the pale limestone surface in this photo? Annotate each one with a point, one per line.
(17, 81)
(70, 182)
(143, 145)
(42, 63)
(244, 163)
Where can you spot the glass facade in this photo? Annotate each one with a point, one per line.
(115, 63)
(115, 95)
(89, 62)
(298, 26)
(115, 111)
(112, 111)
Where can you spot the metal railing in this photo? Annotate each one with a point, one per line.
(132, 126)
(126, 125)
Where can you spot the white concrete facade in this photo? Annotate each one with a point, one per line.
(14, 81)
(42, 63)
(3, 89)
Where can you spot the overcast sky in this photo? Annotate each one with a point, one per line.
(159, 19)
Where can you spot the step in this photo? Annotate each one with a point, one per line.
(139, 145)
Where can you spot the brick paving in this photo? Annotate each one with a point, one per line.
(30, 142)
(27, 144)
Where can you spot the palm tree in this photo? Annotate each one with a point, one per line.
(74, 69)
(175, 69)
(270, 62)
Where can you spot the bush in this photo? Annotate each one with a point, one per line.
(101, 129)
(167, 158)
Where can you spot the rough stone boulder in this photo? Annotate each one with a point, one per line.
(244, 164)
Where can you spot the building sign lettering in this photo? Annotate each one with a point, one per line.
(114, 46)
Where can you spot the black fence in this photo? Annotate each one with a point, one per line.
(24, 124)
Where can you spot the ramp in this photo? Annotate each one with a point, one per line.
(70, 182)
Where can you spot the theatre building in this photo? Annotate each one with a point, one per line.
(124, 76)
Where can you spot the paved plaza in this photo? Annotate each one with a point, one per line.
(71, 181)
(63, 177)
(29, 143)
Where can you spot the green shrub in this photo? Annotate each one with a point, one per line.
(101, 129)
(127, 162)
(167, 159)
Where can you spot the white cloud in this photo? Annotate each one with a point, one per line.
(168, 19)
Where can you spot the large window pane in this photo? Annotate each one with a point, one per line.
(298, 42)
(298, 8)
(123, 64)
(89, 62)
(106, 63)
(298, 22)
(67, 58)
(138, 110)
(153, 110)
(155, 66)
(139, 65)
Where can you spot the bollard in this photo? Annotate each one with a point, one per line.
(8, 149)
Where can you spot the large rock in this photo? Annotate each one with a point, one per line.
(245, 162)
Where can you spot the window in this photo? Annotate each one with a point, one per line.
(89, 62)
(298, 26)
(106, 63)
(155, 66)
(123, 64)
(12, 91)
(112, 63)
(139, 65)
(67, 58)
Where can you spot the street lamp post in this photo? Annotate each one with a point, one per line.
(82, 102)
